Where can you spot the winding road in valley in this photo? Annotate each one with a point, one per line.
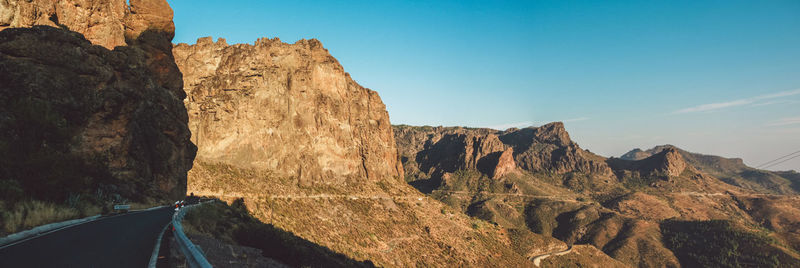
(537, 260)
(125, 240)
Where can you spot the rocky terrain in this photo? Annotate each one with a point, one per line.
(287, 108)
(730, 170)
(97, 106)
(432, 155)
(618, 205)
(310, 151)
(108, 23)
(77, 114)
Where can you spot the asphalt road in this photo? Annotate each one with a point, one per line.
(125, 240)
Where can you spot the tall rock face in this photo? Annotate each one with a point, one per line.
(108, 23)
(505, 164)
(549, 148)
(104, 118)
(458, 150)
(287, 108)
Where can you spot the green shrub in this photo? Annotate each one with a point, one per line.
(718, 243)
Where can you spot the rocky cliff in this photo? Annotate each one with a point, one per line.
(77, 115)
(109, 23)
(287, 108)
(434, 152)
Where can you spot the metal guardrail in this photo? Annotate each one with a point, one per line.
(194, 257)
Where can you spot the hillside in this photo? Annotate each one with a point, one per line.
(730, 170)
(553, 187)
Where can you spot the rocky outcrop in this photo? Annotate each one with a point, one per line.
(732, 171)
(439, 150)
(114, 116)
(548, 148)
(666, 165)
(287, 108)
(505, 164)
(708, 163)
(668, 162)
(101, 108)
(460, 150)
(146, 24)
(108, 23)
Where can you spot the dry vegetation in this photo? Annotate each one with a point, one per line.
(387, 222)
(582, 256)
(28, 214)
(234, 225)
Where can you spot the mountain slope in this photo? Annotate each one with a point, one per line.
(730, 170)
(555, 188)
(312, 153)
(548, 191)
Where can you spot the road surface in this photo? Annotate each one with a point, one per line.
(125, 240)
(538, 259)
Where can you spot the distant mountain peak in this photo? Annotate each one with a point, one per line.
(553, 132)
(635, 154)
(670, 161)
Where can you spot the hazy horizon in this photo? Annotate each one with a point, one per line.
(720, 78)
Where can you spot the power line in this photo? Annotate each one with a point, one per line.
(779, 158)
(790, 158)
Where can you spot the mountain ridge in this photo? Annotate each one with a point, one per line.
(310, 151)
(617, 205)
(731, 170)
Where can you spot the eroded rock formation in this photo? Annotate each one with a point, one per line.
(436, 151)
(505, 164)
(287, 108)
(103, 22)
(117, 111)
(670, 162)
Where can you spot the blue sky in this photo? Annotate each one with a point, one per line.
(716, 77)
